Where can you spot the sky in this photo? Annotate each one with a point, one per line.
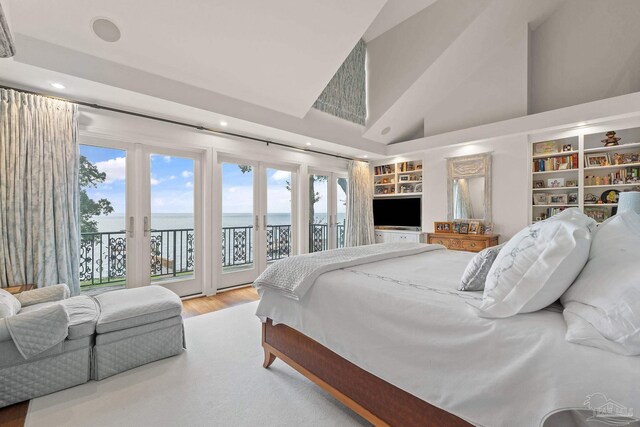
(172, 184)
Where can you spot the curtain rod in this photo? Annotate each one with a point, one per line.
(180, 123)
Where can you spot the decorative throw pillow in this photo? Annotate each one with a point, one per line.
(476, 272)
(9, 305)
(537, 265)
(602, 307)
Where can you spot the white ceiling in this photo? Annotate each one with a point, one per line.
(393, 13)
(278, 54)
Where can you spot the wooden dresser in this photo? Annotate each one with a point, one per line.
(463, 242)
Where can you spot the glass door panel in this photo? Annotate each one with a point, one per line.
(239, 224)
(341, 209)
(172, 218)
(279, 216)
(103, 213)
(171, 222)
(318, 213)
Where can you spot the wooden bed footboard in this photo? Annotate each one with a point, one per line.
(374, 399)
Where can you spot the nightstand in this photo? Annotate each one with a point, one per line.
(463, 242)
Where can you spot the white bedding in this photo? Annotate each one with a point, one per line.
(404, 321)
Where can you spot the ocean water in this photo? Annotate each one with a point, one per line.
(169, 221)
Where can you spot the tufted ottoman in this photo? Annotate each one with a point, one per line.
(135, 327)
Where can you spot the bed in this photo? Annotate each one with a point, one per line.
(396, 342)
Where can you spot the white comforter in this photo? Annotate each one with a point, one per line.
(404, 321)
(295, 275)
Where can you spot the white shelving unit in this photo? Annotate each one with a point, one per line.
(592, 183)
(398, 179)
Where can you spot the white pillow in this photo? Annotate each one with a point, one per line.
(537, 265)
(9, 305)
(602, 308)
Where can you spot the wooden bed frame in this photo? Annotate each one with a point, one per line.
(377, 401)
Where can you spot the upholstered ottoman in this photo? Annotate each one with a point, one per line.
(135, 327)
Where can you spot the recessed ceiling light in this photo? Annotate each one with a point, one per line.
(308, 144)
(57, 85)
(582, 124)
(106, 30)
(386, 130)
(223, 123)
(365, 156)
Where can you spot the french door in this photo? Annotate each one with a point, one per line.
(140, 217)
(327, 210)
(258, 218)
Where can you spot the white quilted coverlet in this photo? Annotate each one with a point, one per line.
(293, 276)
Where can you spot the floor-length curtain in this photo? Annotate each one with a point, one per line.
(39, 193)
(359, 225)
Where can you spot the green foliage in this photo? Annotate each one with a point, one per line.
(90, 176)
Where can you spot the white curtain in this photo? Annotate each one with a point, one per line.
(39, 193)
(359, 227)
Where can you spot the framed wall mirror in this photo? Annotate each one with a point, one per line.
(469, 188)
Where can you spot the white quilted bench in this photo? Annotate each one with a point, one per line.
(135, 327)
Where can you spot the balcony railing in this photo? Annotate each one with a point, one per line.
(319, 237)
(103, 256)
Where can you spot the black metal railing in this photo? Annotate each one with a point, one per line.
(319, 236)
(340, 234)
(103, 256)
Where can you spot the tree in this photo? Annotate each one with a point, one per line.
(90, 177)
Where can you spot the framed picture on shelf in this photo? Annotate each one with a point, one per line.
(464, 228)
(403, 178)
(594, 160)
(443, 227)
(555, 182)
(567, 147)
(550, 147)
(573, 198)
(557, 199)
(540, 198)
(488, 229)
(474, 227)
(571, 183)
(418, 188)
(456, 227)
(538, 184)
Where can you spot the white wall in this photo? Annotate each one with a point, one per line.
(497, 90)
(401, 55)
(587, 50)
(510, 182)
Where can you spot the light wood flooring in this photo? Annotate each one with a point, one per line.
(14, 415)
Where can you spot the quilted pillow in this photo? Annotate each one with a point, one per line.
(475, 275)
(602, 307)
(537, 265)
(9, 305)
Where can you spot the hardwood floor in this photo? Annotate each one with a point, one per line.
(15, 415)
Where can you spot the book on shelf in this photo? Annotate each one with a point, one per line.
(383, 170)
(630, 175)
(556, 163)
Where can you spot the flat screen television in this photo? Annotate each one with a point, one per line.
(400, 212)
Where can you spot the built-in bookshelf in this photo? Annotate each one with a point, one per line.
(580, 171)
(398, 179)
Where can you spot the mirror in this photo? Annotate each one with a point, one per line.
(469, 188)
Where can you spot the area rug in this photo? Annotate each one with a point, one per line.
(218, 381)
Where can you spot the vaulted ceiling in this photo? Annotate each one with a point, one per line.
(433, 65)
